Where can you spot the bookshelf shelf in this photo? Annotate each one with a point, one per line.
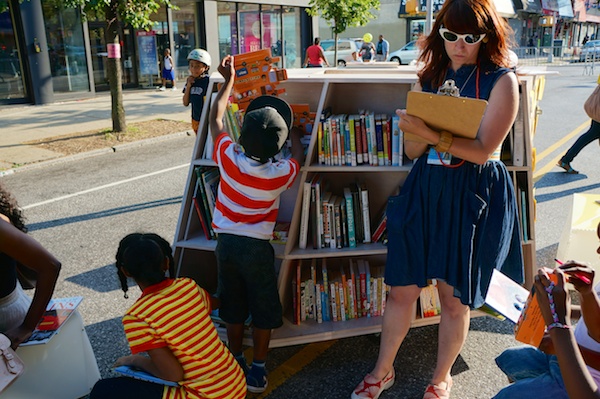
(342, 92)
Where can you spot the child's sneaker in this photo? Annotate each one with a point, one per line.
(174, 88)
(243, 363)
(162, 88)
(256, 379)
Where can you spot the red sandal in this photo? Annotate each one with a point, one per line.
(435, 391)
(368, 390)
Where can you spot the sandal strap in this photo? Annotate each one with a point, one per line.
(367, 385)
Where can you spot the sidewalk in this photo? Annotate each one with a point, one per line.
(21, 124)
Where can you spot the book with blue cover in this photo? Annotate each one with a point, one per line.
(144, 376)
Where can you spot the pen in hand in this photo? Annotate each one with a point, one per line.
(578, 275)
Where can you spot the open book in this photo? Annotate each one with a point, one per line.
(142, 375)
(509, 299)
(57, 313)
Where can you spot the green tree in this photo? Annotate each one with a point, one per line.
(138, 13)
(343, 14)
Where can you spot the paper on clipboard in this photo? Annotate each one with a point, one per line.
(460, 116)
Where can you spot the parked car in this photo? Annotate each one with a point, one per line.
(590, 50)
(406, 54)
(346, 49)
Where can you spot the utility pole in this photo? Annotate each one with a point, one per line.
(429, 17)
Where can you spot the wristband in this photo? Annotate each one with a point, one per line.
(555, 323)
(445, 142)
(558, 325)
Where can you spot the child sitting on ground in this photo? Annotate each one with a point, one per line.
(244, 217)
(171, 323)
(196, 84)
(535, 371)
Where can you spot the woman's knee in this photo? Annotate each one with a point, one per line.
(403, 295)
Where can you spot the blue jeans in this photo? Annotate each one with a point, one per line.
(535, 374)
(586, 138)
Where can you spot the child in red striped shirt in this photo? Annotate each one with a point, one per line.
(171, 323)
(245, 215)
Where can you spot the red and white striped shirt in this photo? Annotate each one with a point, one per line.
(248, 197)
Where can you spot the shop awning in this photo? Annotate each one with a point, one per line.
(418, 8)
(530, 6)
(563, 7)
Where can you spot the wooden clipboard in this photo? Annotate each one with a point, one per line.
(460, 116)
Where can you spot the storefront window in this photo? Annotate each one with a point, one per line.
(264, 26)
(271, 30)
(292, 37)
(66, 48)
(184, 34)
(11, 76)
(250, 29)
(227, 20)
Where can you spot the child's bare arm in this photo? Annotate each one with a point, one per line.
(217, 110)
(161, 363)
(188, 89)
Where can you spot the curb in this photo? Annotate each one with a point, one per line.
(94, 153)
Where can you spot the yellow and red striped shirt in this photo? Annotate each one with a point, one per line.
(248, 196)
(175, 314)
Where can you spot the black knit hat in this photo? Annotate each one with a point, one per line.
(267, 122)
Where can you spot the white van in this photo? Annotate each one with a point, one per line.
(346, 49)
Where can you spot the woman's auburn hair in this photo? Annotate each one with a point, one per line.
(464, 16)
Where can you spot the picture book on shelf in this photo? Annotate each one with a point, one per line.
(142, 375)
(56, 314)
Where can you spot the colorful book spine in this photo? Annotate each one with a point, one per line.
(364, 200)
(351, 128)
(326, 306)
(379, 139)
(396, 142)
(365, 146)
(359, 141)
(350, 217)
(304, 215)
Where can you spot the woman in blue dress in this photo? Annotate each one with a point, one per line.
(456, 217)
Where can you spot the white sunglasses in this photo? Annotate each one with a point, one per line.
(469, 38)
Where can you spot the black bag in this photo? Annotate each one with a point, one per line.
(27, 277)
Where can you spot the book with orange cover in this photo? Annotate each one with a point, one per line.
(508, 299)
(531, 325)
(255, 76)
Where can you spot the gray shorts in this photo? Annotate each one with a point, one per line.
(247, 281)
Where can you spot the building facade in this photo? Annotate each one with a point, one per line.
(49, 53)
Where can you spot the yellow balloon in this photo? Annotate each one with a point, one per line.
(367, 37)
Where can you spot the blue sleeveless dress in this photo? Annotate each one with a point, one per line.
(456, 224)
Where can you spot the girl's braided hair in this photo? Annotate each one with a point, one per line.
(142, 256)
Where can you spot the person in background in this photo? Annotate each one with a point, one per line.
(383, 49)
(592, 134)
(367, 50)
(567, 363)
(315, 57)
(196, 84)
(19, 314)
(246, 209)
(456, 217)
(171, 323)
(168, 71)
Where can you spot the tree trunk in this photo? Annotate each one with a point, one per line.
(335, 42)
(113, 69)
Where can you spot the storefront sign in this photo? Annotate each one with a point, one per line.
(148, 54)
(114, 50)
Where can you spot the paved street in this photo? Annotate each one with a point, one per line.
(80, 210)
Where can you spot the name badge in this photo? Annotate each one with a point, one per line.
(434, 159)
